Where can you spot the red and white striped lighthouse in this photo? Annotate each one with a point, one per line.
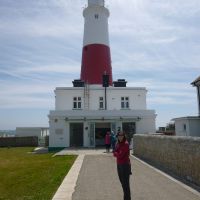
(96, 59)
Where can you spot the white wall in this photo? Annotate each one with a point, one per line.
(58, 139)
(64, 112)
(96, 30)
(179, 127)
(192, 126)
(29, 131)
(59, 133)
(96, 2)
(137, 97)
(64, 97)
(146, 125)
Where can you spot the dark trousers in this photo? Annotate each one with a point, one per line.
(124, 171)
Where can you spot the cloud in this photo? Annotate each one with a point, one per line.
(167, 100)
(40, 19)
(18, 95)
(27, 102)
(154, 44)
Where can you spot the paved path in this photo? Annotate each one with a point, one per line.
(98, 180)
(94, 177)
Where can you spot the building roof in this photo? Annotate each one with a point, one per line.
(99, 87)
(196, 82)
(186, 117)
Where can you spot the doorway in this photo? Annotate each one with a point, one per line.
(100, 131)
(129, 130)
(76, 134)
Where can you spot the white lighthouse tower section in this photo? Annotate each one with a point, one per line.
(96, 2)
(96, 24)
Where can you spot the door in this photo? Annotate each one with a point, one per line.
(76, 134)
(100, 131)
(129, 129)
(92, 134)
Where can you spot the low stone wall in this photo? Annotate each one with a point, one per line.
(19, 141)
(179, 155)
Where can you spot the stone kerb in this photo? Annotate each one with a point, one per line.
(180, 155)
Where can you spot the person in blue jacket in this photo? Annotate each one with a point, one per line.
(113, 140)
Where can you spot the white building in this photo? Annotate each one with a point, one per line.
(40, 132)
(190, 125)
(95, 104)
(187, 126)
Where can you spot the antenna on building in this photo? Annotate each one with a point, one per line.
(196, 83)
(105, 84)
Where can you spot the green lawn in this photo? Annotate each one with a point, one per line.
(26, 176)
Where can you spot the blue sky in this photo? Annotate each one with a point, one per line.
(154, 44)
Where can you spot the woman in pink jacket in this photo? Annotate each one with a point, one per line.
(107, 142)
(123, 164)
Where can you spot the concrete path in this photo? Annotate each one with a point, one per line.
(98, 180)
(67, 187)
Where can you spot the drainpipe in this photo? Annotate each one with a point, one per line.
(198, 97)
(196, 83)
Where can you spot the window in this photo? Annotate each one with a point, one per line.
(124, 102)
(101, 103)
(96, 16)
(77, 102)
(184, 127)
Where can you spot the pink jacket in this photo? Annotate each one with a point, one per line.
(122, 153)
(107, 139)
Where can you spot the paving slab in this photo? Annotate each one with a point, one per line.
(84, 151)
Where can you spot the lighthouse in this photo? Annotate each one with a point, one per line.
(96, 59)
(96, 104)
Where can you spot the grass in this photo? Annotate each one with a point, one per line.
(26, 176)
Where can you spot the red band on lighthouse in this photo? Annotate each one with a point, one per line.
(96, 61)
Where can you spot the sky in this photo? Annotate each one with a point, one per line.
(154, 44)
